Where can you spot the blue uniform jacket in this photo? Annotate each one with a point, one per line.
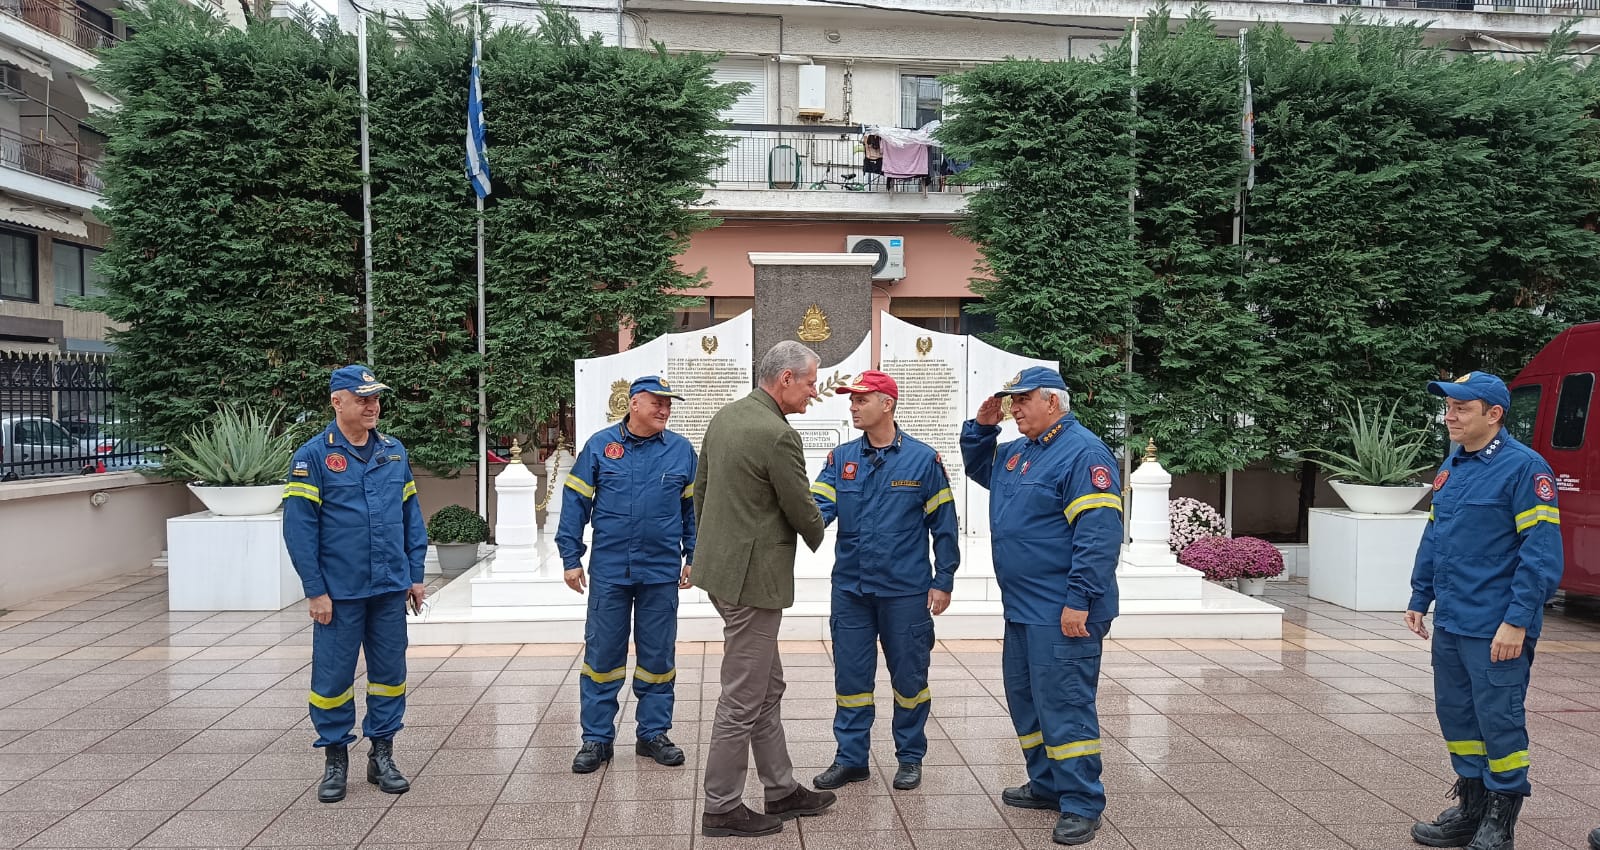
(888, 501)
(1491, 552)
(353, 529)
(1055, 516)
(640, 493)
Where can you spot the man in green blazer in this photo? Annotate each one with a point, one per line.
(751, 497)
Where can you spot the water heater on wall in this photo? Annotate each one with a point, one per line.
(813, 97)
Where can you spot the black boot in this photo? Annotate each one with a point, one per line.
(1455, 826)
(590, 756)
(1499, 828)
(331, 789)
(381, 770)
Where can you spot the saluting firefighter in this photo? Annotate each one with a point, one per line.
(1489, 560)
(1055, 517)
(890, 494)
(355, 534)
(636, 481)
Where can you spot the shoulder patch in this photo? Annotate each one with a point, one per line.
(1438, 480)
(1100, 477)
(1544, 487)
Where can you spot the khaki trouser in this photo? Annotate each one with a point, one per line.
(749, 717)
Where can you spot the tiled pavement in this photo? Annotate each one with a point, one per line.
(124, 725)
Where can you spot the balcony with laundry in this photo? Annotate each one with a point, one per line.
(859, 171)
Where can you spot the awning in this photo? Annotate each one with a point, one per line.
(26, 61)
(97, 99)
(19, 211)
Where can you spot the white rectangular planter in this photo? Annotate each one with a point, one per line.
(229, 564)
(1363, 561)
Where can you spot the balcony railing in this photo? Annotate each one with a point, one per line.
(62, 20)
(1527, 7)
(49, 160)
(810, 158)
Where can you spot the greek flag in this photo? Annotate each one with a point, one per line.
(477, 149)
(1248, 120)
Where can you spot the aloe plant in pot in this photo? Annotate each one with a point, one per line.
(234, 462)
(1380, 474)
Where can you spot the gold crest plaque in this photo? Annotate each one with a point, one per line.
(708, 344)
(617, 405)
(814, 325)
(924, 346)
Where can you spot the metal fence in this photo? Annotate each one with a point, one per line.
(61, 414)
(1527, 7)
(809, 158)
(63, 20)
(47, 159)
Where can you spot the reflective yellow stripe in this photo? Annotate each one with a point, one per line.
(1074, 750)
(377, 690)
(1537, 514)
(642, 675)
(912, 702)
(1090, 502)
(1466, 748)
(1030, 740)
(323, 702)
(602, 678)
(853, 700)
(825, 491)
(938, 499)
(1511, 762)
(1430, 513)
(688, 492)
(580, 485)
(409, 491)
(303, 490)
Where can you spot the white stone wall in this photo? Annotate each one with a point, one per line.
(527, 15)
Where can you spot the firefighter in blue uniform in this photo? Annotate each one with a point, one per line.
(1055, 516)
(636, 480)
(1489, 560)
(890, 493)
(355, 534)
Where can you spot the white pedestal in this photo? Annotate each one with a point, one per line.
(1363, 561)
(229, 564)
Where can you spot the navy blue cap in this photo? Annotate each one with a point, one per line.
(654, 385)
(1033, 378)
(357, 379)
(1475, 386)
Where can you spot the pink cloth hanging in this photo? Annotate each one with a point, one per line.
(904, 159)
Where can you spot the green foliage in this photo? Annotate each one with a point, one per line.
(1380, 455)
(456, 524)
(235, 196)
(236, 447)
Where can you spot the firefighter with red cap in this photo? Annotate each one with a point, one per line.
(890, 494)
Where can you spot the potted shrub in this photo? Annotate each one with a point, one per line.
(456, 532)
(235, 462)
(1192, 519)
(1257, 560)
(1380, 474)
(1212, 556)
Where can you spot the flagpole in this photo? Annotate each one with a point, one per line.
(366, 175)
(483, 405)
(1246, 183)
(1133, 236)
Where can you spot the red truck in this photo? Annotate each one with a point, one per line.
(1550, 405)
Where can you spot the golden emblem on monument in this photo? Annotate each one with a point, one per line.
(924, 345)
(1005, 402)
(708, 344)
(617, 405)
(814, 325)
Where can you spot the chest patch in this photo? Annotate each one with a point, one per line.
(1011, 464)
(1100, 477)
(1025, 465)
(1544, 487)
(1438, 480)
(336, 463)
(850, 468)
(905, 483)
(614, 451)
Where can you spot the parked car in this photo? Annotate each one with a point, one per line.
(32, 446)
(1550, 405)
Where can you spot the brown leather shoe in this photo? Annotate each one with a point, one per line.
(739, 822)
(804, 802)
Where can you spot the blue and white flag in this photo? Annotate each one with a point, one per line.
(477, 148)
(1247, 122)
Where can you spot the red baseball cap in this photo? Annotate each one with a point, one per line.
(872, 381)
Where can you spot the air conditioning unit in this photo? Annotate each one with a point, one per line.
(891, 251)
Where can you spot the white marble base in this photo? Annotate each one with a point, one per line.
(483, 606)
(235, 563)
(1363, 561)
